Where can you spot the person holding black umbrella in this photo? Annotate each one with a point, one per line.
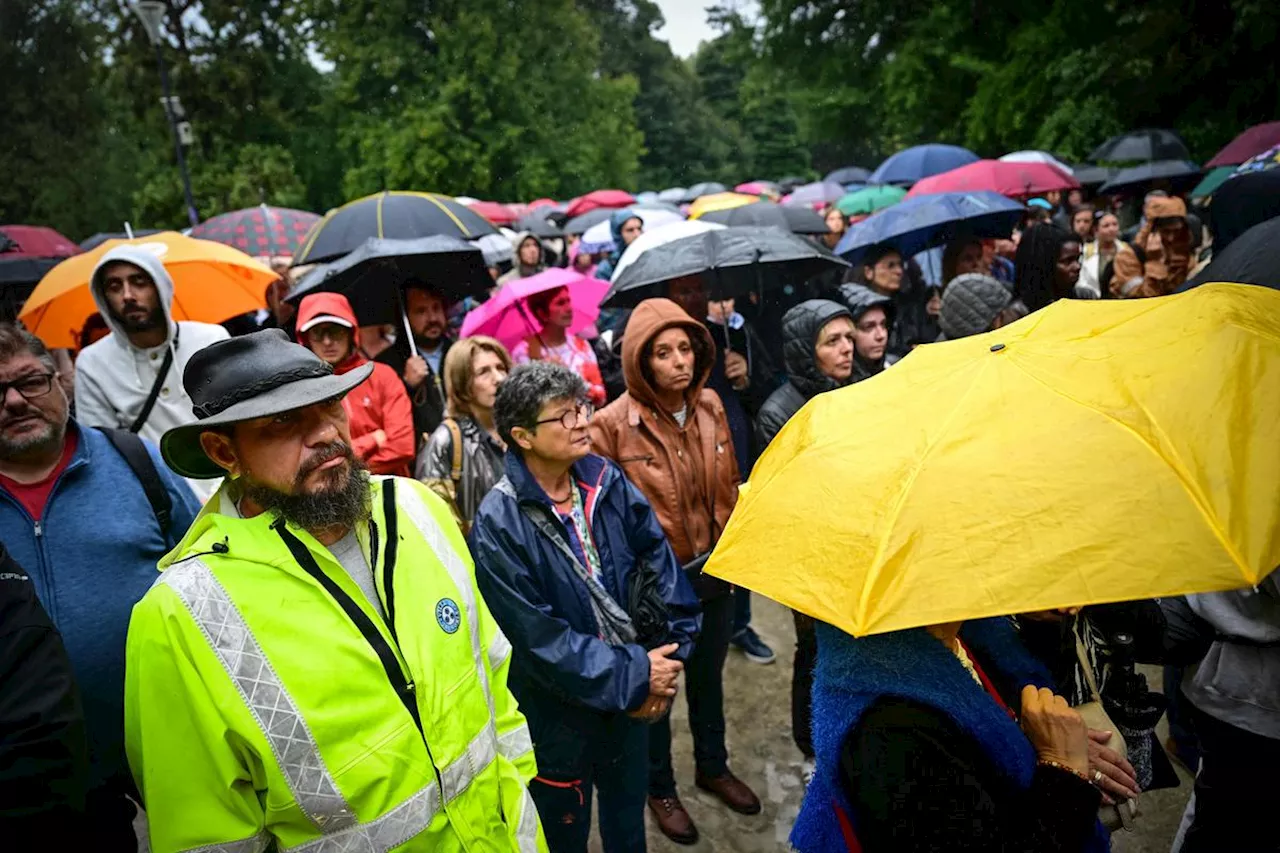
(419, 362)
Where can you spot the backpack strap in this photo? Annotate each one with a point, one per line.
(135, 454)
(455, 434)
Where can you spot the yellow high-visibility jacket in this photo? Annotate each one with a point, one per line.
(267, 700)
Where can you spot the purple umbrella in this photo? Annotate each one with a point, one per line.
(817, 194)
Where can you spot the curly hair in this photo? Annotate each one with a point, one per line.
(530, 387)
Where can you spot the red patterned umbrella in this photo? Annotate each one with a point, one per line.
(260, 231)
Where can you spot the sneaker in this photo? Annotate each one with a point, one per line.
(750, 644)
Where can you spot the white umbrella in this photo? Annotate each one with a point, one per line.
(465, 199)
(653, 217)
(1036, 157)
(660, 237)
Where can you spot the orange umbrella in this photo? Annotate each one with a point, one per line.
(211, 283)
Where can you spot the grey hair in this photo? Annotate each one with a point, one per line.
(530, 387)
(15, 340)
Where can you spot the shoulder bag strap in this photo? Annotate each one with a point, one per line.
(141, 420)
(135, 454)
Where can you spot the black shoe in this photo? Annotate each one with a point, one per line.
(750, 644)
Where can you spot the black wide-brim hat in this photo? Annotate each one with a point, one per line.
(252, 376)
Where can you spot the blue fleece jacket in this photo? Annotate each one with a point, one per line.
(92, 555)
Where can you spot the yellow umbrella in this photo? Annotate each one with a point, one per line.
(1091, 452)
(211, 283)
(719, 201)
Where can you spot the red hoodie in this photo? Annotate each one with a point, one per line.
(378, 403)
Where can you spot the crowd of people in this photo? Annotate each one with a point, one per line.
(429, 593)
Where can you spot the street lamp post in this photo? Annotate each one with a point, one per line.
(151, 14)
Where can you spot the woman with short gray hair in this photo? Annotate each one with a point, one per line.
(575, 568)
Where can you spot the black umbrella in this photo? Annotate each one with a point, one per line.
(1252, 258)
(697, 191)
(392, 216)
(1176, 176)
(580, 224)
(103, 236)
(849, 175)
(730, 261)
(373, 276)
(1090, 175)
(797, 220)
(789, 184)
(538, 225)
(1150, 144)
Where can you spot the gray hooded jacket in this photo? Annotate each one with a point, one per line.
(114, 378)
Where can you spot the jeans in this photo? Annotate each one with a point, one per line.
(614, 764)
(802, 683)
(741, 610)
(1234, 791)
(704, 690)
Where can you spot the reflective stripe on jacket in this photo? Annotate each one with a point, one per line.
(265, 704)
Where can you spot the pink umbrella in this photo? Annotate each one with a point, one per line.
(507, 317)
(1008, 179)
(599, 198)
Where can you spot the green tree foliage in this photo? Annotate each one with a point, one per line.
(871, 76)
(498, 100)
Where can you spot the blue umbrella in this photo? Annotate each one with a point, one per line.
(922, 161)
(920, 223)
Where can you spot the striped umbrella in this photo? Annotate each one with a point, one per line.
(260, 231)
(389, 215)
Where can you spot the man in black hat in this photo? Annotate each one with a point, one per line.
(316, 621)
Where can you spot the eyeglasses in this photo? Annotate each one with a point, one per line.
(29, 387)
(569, 419)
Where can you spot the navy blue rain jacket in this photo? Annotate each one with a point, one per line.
(543, 606)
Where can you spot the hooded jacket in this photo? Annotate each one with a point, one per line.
(860, 300)
(378, 403)
(114, 378)
(520, 270)
(688, 473)
(566, 678)
(619, 218)
(800, 328)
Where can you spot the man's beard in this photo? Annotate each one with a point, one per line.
(153, 320)
(424, 342)
(342, 501)
(51, 436)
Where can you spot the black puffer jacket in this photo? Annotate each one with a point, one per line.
(860, 300)
(800, 328)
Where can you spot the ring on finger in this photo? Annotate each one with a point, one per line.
(1097, 777)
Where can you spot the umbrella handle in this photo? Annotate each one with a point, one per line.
(404, 318)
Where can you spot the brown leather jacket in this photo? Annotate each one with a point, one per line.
(689, 474)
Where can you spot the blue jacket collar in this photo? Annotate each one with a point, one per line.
(591, 469)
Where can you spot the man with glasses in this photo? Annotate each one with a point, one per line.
(575, 568)
(77, 518)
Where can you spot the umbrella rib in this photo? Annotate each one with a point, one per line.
(447, 212)
(900, 503)
(1172, 460)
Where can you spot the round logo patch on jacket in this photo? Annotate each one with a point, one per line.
(448, 615)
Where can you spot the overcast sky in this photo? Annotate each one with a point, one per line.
(687, 23)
